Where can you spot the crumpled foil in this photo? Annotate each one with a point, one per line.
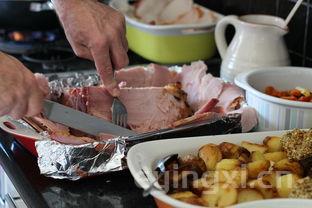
(58, 83)
(73, 162)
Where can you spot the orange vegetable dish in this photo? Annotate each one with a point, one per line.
(296, 94)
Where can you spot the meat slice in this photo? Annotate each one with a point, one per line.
(74, 98)
(151, 76)
(199, 86)
(98, 102)
(153, 108)
(249, 118)
(208, 106)
(208, 116)
(149, 108)
(230, 97)
(149, 10)
(174, 10)
(68, 138)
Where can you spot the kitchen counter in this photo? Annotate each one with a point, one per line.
(110, 190)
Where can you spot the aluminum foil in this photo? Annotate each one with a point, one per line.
(73, 162)
(59, 83)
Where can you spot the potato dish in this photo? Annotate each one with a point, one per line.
(296, 94)
(227, 174)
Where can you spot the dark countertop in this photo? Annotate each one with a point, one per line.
(111, 190)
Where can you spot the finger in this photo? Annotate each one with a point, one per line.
(19, 110)
(104, 67)
(35, 103)
(125, 43)
(118, 54)
(43, 84)
(82, 52)
(7, 102)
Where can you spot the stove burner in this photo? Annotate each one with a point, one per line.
(30, 36)
(49, 56)
(19, 42)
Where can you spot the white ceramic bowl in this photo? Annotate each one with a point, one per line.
(142, 159)
(276, 113)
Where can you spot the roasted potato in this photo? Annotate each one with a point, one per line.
(287, 165)
(233, 151)
(273, 143)
(211, 155)
(184, 194)
(265, 188)
(256, 167)
(235, 177)
(245, 195)
(228, 164)
(256, 155)
(251, 147)
(270, 178)
(275, 156)
(188, 197)
(220, 194)
(285, 183)
(202, 183)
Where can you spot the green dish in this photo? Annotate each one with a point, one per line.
(171, 48)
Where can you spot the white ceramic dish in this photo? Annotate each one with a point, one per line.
(142, 158)
(276, 113)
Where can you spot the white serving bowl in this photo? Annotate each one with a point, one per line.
(142, 159)
(276, 113)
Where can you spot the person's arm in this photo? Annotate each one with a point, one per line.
(95, 32)
(20, 91)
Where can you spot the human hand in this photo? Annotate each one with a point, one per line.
(20, 93)
(96, 32)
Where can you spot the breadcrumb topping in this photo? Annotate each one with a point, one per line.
(297, 144)
(302, 189)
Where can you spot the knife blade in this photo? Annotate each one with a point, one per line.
(81, 121)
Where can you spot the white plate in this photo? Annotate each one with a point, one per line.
(144, 156)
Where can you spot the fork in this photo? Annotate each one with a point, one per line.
(119, 112)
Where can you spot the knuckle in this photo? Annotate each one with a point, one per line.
(100, 41)
(80, 53)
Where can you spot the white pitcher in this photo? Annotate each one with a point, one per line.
(258, 42)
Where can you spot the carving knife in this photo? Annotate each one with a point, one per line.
(81, 121)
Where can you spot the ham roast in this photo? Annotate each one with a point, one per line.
(156, 97)
(165, 12)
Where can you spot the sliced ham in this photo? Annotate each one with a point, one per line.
(149, 109)
(199, 86)
(74, 98)
(67, 138)
(208, 116)
(149, 10)
(208, 106)
(230, 97)
(151, 76)
(98, 102)
(152, 108)
(249, 118)
(174, 10)
(156, 98)
(190, 17)
(48, 125)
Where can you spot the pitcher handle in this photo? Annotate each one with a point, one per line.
(220, 33)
